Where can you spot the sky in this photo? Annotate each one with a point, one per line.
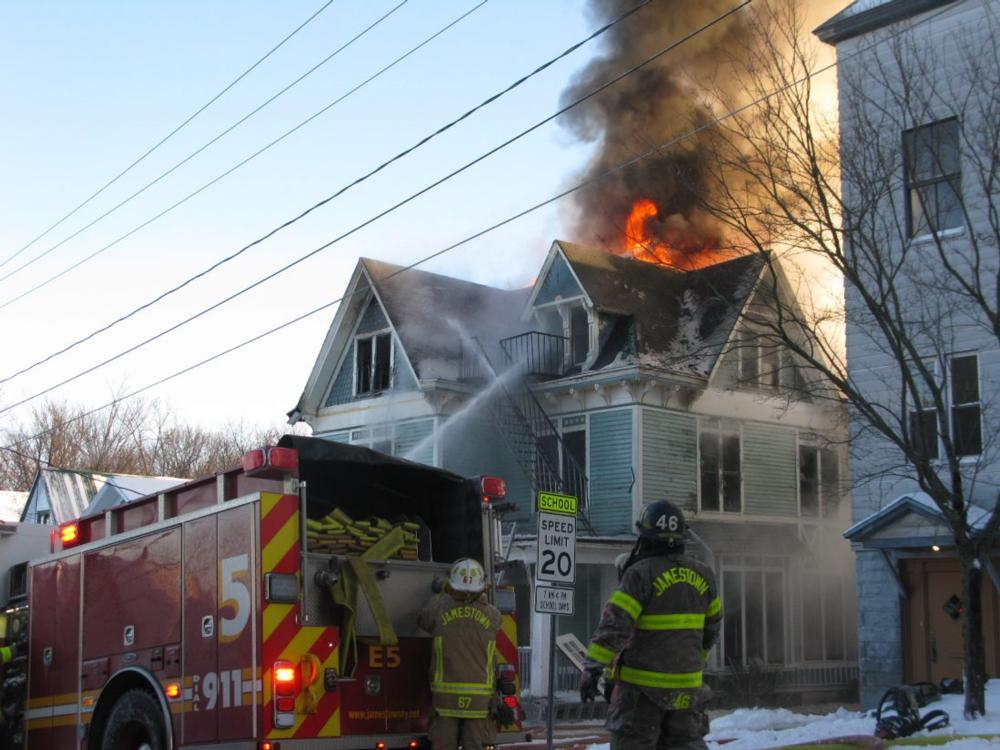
(92, 86)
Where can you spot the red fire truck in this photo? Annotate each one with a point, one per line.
(203, 617)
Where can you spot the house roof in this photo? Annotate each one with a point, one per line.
(678, 320)
(71, 492)
(863, 16)
(919, 503)
(432, 314)
(123, 488)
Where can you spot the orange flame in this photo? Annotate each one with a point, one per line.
(680, 252)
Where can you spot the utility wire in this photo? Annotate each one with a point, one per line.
(248, 159)
(653, 152)
(174, 132)
(197, 151)
(341, 191)
(387, 211)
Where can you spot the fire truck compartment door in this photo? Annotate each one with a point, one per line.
(405, 587)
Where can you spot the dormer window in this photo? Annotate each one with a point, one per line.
(372, 363)
(579, 335)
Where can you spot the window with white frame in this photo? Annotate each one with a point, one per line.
(753, 610)
(966, 410)
(719, 461)
(823, 615)
(819, 481)
(567, 450)
(377, 438)
(760, 361)
(372, 363)
(923, 416)
(933, 177)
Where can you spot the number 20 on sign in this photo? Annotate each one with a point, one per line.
(556, 538)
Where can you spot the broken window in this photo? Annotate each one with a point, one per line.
(719, 458)
(966, 416)
(579, 335)
(819, 481)
(933, 177)
(373, 363)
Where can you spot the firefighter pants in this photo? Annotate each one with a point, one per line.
(638, 723)
(448, 733)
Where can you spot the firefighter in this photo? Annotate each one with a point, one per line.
(464, 626)
(657, 628)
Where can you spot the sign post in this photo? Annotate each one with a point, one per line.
(556, 567)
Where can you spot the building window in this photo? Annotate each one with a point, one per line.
(753, 610)
(933, 176)
(719, 460)
(923, 416)
(822, 617)
(819, 481)
(760, 362)
(377, 438)
(579, 335)
(372, 363)
(966, 411)
(565, 453)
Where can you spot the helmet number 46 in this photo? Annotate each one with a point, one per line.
(667, 523)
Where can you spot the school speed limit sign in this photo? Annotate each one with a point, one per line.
(556, 561)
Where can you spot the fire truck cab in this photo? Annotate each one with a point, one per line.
(271, 606)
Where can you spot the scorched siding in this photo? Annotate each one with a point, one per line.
(610, 471)
(770, 471)
(669, 457)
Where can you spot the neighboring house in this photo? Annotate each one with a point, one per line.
(913, 60)
(622, 383)
(60, 495)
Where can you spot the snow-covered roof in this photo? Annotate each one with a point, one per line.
(668, 318)
(123, 488)
(912, 502)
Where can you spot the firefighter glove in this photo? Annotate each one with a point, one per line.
(590, 679)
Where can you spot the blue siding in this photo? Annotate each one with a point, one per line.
(610, 471)
(402, 377)
(558, 282)
(374, 318)
(669, 458)
(342, 388)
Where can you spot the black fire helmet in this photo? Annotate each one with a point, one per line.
(662, 521)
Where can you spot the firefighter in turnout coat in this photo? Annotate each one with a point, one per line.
(654, 637)
(464, 626)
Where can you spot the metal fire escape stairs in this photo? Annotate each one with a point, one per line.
(527, 430)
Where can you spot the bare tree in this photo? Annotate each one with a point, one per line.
(133, 436)
(906, 214)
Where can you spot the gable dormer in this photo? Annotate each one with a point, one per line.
(560, 307)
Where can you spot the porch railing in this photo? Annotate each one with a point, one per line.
(543, 355)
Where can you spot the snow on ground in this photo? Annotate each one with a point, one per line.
(758, 728)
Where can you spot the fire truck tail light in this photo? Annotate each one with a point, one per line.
(414, 744)
(511, 701)
(69, 535)
(284, 678)
(265, 460)
(379, 746)
(494, 487)
(285, 704)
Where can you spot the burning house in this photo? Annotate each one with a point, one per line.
(621, 381)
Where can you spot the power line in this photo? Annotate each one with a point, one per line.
(423, 141)
(655, 151)
(384, 212)
(174, 132)
(248, 159)
(197, 151)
